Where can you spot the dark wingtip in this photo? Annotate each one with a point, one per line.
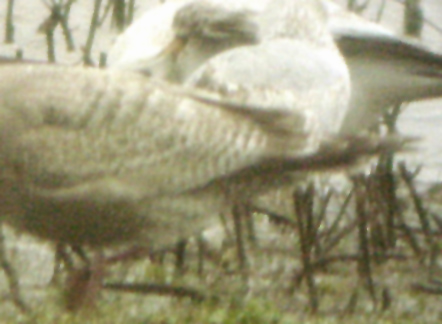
(339, 152)
(350, 150)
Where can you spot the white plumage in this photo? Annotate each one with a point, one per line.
(385, 69)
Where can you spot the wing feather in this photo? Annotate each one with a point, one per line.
(72, 127)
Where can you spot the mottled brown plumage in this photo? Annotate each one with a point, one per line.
(98, 158)
(88, 153)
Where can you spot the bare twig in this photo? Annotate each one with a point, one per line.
(87, 58)
(11, 276)
(418, 204)
(386, 299)
(333, 241)
(119, 14)
(225, 224)
(410, 238)
(47, 27)
(130, 12)
(433, 290)
(250, 225)
(143, 288)
(64, 18)
(51, 46)
(103, 60)
(430, 23)
(346, 258)
(201, 253)
(334, 226)
(19, 54)
(353, 5)
(352, 302)
(180, 254)
(106, 11)
(364, 264)
(238, 212)
(413, 18)
(9, 22)
(307, 237)
(274, 218)
(380, 12)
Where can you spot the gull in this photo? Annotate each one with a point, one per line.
(103, 158)
(153, 34)
(271, 53)
(295, 63)
(294, 66)
(98, 158)
(385, 69)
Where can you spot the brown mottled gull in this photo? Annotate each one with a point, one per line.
(98, 158)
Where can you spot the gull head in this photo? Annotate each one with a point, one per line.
(202, 30)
